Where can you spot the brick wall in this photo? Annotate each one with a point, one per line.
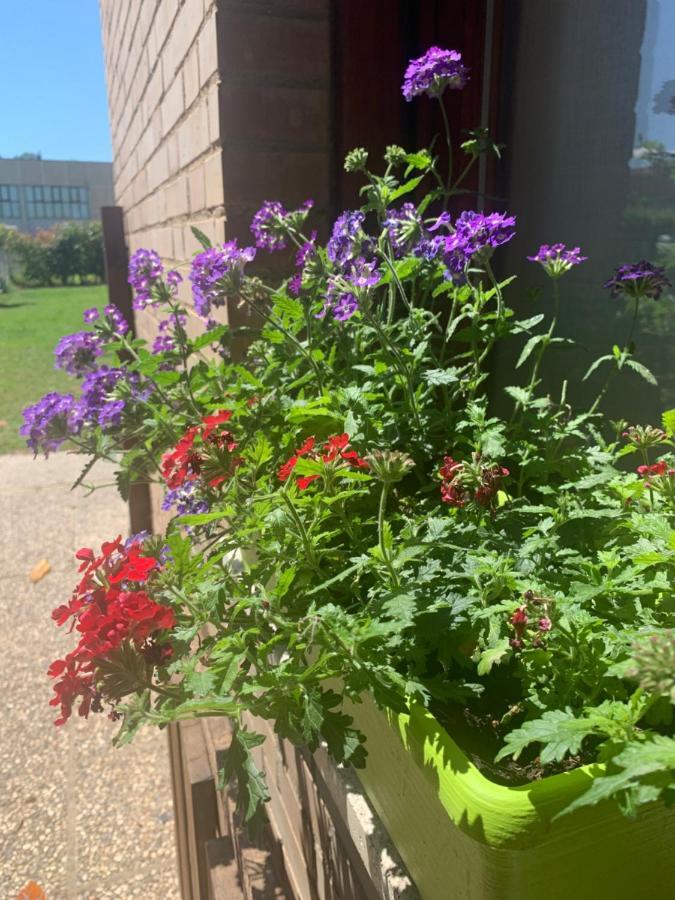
(162, 73)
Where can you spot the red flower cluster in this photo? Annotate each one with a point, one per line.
(205, 450)
(466, 482)
(108, 607)
(334, 450)
(534, 612)
(659, 469)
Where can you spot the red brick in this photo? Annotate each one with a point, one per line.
(281, 114)
(252, 176)
(274, 46)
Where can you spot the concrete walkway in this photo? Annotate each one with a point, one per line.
(77, 816)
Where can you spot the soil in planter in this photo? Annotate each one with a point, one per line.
(480, 729)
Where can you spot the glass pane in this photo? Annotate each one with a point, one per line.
(591, 162)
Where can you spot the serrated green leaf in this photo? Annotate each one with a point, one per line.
(201, 237)
(641, 370)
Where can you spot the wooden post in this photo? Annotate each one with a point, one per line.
(119, 293)
(117, 262)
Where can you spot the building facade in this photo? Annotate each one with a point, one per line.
(40, 193)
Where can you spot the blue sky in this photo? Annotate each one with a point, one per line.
(52, 86)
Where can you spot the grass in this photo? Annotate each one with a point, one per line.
(31, 322)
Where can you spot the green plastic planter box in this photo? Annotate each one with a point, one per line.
(463, 837)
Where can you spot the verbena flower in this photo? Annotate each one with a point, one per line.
(645, 436)
(346, 289)
(433, 72)
(109, 607)
(474, 235)
(90, 315)
(640, 279)
(77, 353)
(306, 253)
(50, 421)
(464, 482)
(348, 240)
(185, 500)
(97, 406)
(116, 320)
(557, 259)
(272, 223)
(334, 453)
(217, 273)
(173, 279)
(145, 271)
(205, 451)
(405, 228)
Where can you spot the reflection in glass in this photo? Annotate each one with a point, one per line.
(591, 162)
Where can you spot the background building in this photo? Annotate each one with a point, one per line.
(39, 193)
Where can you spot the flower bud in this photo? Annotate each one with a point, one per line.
(356, 159)
(389, 465)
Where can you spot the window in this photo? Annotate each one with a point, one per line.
(591, 159)
(9, 202)
(58, 202)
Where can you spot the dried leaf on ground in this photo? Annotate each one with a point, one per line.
(39, 570)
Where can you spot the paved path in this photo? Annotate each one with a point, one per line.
(77, 816)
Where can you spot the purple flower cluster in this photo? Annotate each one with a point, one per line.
(404, 227)
(184, 500)
(145, 271)
(216, 272)
(50, 421)
(431, 73)
(306, 253)
(96, 405)
(116, 320)
(640, 279)
(348, 240)
(345, 289)
(473, 234)
(90, 315)
(557, 259)
(77, 353)
(272, 223)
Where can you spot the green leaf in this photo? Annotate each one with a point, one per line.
(203, 518)
(441, 376)
(212, 336)
(594, 365)
(528, 348)
(492, 656)
(526, 324)
(668, 422)
(288, 306)
(641, 370)
(201, 237)
(559, 731)
(405, 188)
(519, 394)
(648, 769)
(239, 764)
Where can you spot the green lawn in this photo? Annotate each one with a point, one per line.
(31, 322)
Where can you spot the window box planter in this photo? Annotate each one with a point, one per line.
(464, 837)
